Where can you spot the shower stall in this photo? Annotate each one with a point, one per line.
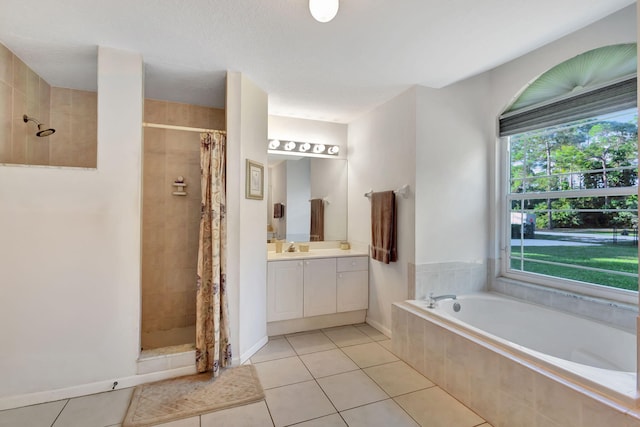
(171, 220)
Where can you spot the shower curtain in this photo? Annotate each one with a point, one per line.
(213, 346)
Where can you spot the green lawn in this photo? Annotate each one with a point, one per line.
(615, 257)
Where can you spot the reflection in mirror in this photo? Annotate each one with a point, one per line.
(32, 108)
(294, 182)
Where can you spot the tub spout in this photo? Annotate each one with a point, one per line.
(434, 299)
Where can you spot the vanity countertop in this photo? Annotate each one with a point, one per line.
(315, 253)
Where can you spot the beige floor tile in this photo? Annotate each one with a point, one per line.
(346, 335)
(333, 420)
(279, 372)
(310, 343)
(372, 332)
(275, 349)
(435, 408)
(330, 362)
(95, 410)
(252, 415)
(351, 389)
(298, 402)
(398, 378)
(42, 415)
(382, 414)
(386, 344)
(186, 422)
(371, 354)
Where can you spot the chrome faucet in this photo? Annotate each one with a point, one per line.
(433, 300)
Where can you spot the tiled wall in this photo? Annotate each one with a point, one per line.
(447, 278)
(171, 223)
(72, 113)
(22, 91)
(500, 388)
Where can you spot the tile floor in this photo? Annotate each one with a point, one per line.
(345, 376)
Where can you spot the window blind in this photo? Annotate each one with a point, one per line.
(607, 99)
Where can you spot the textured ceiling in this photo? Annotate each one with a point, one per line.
(370, 52)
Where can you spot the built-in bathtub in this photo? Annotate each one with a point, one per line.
(496, 354)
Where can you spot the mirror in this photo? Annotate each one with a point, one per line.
(293, 182)
(45, 123)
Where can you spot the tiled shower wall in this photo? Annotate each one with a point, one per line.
(171, 223)
(72, 113)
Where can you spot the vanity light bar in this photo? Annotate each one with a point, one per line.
(303, 148)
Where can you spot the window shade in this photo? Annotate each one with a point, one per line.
(608, 99)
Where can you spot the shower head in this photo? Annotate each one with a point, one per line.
(41, 132)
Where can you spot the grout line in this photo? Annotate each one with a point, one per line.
(60, 413)
(268, 410)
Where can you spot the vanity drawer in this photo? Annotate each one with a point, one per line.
(356, 263)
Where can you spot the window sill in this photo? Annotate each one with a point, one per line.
(607, 308)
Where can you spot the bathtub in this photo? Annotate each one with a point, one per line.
(581, 353)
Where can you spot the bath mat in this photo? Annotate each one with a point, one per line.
(185, 397)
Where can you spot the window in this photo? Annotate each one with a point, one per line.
(572, 198)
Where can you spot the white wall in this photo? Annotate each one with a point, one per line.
(246, 218)
(70, 252)
(381, 152)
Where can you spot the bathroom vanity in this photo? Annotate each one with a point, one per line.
(317, 289)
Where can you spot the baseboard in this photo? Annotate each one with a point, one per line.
(379, 326)
(92, 388)
(257, 346)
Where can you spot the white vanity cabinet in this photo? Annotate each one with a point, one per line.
(319, 286)
(352, 284)
(284, 290)
(316, 286)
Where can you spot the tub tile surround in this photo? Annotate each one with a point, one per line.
(501, 389)
(619, 315)
(457, 277)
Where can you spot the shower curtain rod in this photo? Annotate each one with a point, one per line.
(185, 128)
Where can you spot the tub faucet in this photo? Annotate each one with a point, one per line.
(433, 300)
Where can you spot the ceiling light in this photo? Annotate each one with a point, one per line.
(318, 148)
(304, 147)
(290, 146)
(323, 10)
(334, 149)
(274, 143)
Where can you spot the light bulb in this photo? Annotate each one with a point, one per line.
(318, 148)
(273, 144)
(304, 147)
(290, 146)
(323, 10)
(334, 149)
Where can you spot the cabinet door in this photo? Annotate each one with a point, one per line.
(284, 290)
(319, 286)
(352, 291)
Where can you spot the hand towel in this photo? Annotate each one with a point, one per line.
(383, 227)
(317, 220)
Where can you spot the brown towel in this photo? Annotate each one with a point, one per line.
(278, 210)
(383, 227)
(317, 220)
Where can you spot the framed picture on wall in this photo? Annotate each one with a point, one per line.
(254, 180)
